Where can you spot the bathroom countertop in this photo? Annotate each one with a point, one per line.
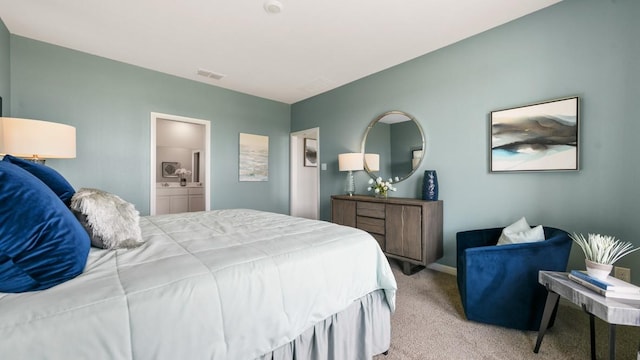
(163, 185)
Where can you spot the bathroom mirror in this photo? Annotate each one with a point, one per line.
(393, 145)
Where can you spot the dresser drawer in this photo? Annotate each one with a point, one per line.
(375, 210)
(371, 225)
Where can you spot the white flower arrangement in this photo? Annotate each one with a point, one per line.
(381, 187)
(603, 249)
(182, 173)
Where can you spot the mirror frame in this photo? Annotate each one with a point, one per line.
(374, 122)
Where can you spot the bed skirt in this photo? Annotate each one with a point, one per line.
(359, 332)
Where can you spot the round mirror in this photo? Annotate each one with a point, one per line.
(393, 146)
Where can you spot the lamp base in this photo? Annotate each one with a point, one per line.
(350, 185)
(36, 160)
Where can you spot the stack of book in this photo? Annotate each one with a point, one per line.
(612, 287)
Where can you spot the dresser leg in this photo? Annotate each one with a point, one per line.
(410, 269)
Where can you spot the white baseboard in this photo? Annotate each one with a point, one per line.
(443, 268)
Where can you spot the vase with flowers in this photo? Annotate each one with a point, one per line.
(182, 174)
(601, 252)
(381, 187)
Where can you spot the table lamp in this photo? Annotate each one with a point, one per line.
(36, 140)
(350, 162)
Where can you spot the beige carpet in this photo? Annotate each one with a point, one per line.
(429, 323)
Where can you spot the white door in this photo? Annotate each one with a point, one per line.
(305, 173)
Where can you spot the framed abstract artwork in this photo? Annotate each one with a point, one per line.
(538, 137)
(310, 152)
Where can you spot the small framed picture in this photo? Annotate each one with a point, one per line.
(310, 152)
(536, 137)
(169, 169)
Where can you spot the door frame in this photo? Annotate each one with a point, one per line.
(206, 161)
(296, 163)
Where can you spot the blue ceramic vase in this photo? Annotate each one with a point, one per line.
(430, 185)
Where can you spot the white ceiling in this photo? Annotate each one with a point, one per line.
(308, 48)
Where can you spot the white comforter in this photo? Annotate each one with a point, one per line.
(227, 284)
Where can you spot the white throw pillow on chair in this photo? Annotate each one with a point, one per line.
(521, 232)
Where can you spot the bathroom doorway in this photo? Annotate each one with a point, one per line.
(305, 174)
(179, 164)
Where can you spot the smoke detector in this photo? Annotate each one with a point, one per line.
(273, 6)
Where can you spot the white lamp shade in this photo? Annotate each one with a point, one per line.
(372, 161)
(350, 161)
(36, 138)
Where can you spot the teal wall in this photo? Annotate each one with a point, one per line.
(4, 69)
(110, 103)
(588, 48)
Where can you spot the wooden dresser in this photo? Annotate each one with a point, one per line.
(409, 230)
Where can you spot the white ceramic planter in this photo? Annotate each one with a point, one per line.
(598, 271)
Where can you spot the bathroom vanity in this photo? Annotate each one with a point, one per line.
(172, 198)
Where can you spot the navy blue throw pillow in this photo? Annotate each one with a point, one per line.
(47, 175)
(41, 242)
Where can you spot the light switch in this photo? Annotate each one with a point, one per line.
(323, 166)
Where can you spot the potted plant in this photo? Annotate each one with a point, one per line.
(182, 174)
(601, 251)
(380, 187)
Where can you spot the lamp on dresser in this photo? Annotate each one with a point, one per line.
(350, 162)
(36, 140)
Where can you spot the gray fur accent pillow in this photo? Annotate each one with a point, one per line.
(111, 222)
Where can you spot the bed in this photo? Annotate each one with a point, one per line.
(223, 284)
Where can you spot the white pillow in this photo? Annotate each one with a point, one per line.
(521, 232)
(110, 221)
(518, 226)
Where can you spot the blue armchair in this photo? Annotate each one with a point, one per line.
(499, 284)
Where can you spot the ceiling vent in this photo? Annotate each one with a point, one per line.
(210, 74)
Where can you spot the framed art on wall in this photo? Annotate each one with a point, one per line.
(536, 137)
(310, 152)
(254, 157)
(169, 169)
